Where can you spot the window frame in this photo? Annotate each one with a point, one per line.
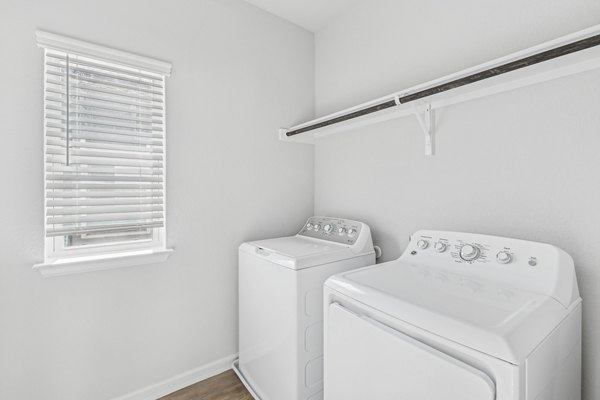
(61, 260)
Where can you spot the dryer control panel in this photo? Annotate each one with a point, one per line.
(337, 230)
(536, 267)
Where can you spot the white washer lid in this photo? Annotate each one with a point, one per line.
(296, 252)
(499, 321)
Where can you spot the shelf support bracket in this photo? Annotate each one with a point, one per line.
(426, 119)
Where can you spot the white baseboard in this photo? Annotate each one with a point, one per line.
(180, 381)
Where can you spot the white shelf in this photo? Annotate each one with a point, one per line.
(570, 64)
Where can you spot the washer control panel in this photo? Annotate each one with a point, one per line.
(337, 230)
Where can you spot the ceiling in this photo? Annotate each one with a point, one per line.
(312, 15)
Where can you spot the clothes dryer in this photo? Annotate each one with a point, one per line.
(459, 317)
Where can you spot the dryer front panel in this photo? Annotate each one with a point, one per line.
(365, 359)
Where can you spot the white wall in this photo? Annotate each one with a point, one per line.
(521, 164)
(101, 335)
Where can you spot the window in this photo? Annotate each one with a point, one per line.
(104, 141)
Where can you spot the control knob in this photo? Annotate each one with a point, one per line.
(503, 257)
(351, 232)
(469, 252)
(440, 247)
(309, 226)
(422, 244)
(328, 228)
(341, 231)
(317, 228)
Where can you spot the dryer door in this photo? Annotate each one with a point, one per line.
(367, 360)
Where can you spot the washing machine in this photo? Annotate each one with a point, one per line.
(457, 317)
(281, 305)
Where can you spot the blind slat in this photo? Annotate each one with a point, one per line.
(104, 161)
(130, 116)
(104, 137)
(85, 123)
(146, 112)
(74, 152)
(86, 210)
(102, 178)
(76, 194)
(108, 217)
(104, 186)
(61, 126)
(53, 168)
(113, 201)
(86, 144)
(144, 127)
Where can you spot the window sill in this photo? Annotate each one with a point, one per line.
(75, 265)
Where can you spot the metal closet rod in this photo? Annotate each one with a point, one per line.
(476, 77)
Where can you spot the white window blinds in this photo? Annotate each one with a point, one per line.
(104, 149)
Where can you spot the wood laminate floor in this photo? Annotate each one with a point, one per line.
(225, 386)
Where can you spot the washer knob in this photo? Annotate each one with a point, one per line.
(503, 257)
(422, 244)
(440, 247)
(317, 228)
(341, 231)
(309, 226)
(327, 228)
(469, 252)
(351, 232)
